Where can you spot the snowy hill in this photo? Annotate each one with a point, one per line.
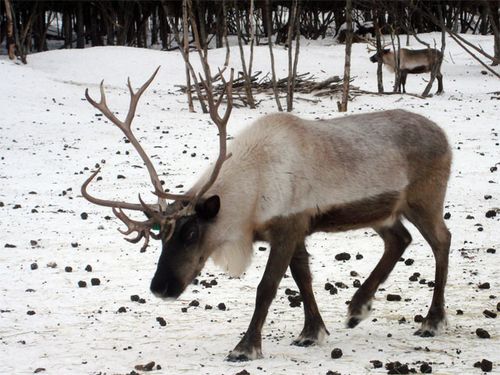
(51, 138)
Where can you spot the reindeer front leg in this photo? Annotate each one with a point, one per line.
(283, 246)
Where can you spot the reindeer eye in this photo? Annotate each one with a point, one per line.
(189, 233)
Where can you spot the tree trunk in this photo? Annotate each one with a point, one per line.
(292, 20)
(11, 44)
(495, 26)
(270, 42)
(380, 82)
(185, 26)
(342, 106)
(80, 36)
(67, 31)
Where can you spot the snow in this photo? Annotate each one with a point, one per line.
(50, 139)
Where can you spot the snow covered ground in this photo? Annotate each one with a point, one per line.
(50, 138)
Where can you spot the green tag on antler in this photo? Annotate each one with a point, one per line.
(156, 227)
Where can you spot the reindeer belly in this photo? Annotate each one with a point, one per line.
(418, 69)
(358, 214)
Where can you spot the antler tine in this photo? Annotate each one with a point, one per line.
(134, 97)
(143, 228)
(105, 202)
(221, 126)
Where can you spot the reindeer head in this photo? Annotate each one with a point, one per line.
(379, 56)
(182, 224)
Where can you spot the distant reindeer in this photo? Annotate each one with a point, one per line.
(413, 62)
(285, 178)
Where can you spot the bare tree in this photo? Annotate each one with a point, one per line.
(246, 72)
(342, 106)
(269, 41)
(11, 44)
(293, 28)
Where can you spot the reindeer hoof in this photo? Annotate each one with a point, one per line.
(239, 356)
(424, 333)
(303, 342)
(353, 322)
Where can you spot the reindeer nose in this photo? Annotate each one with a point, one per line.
(158, 288)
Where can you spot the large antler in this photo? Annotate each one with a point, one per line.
(154, 212)
(125, 127)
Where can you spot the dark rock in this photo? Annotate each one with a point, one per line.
(376, 363)
(491, 213)
(33, 243)
(95, 281)
(491, 251)
(221, 306)
(30, 312)
(409, 261)
(489, 314)
(333, 291)
(162, 321)
(482, 333)
(425, 368)
(413, 278)
(343, 256)
(460, 312)
(38, 370)
(484, 286)
(447, 216)
(147, 367)
(486, 365)
(82, 284)
(122, 309)
(208, 307)
(88, 268)
(10, 246)
(356, 283)
(341, 285)
(134, 298)
(184, 309)
(34, 266)
(359, 256)
(328, 286)
(84, 215)
(336, 353)
(68, 269)
(194, 303)
(74, 244)
(243, 372)
(393, 297)
(418, 318)
(120, 177)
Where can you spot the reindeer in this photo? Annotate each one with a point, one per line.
(412, 62)
(284, 178)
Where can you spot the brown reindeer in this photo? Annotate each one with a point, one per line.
(413, 62)
(285, 178)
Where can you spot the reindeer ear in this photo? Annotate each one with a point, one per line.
(209, 208)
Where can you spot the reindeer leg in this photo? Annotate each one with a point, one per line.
(396, 240)
(314, 329)
(434, 230)
(284, 236)
(404, 74)
(439, 77)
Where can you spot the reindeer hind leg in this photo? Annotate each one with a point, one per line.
(396, 240)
